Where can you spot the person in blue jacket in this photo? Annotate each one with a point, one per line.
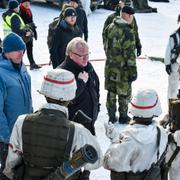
(15, 91)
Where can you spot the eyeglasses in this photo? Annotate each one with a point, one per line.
(82, 56)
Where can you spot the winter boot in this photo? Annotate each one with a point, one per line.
(112, 115)
(124, 118)
(34, 66)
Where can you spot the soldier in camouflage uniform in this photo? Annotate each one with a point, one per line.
(110, 18)
(120, 68)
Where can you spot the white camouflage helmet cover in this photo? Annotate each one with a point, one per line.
(59, 84)
(145, 103)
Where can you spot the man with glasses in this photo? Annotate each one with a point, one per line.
(87, 93)
(66, 30)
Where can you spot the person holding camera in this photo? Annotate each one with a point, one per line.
(26, 15)
(12, 22)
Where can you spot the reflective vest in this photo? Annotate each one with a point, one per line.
(6, 24)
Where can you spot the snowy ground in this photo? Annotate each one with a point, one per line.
(154, 29)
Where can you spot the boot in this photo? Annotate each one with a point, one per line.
(112, 115)
(34, 66)
(124, 118)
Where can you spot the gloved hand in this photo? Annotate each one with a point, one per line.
(84, 175)
(111, 132)
(138, 51)
(168, 69)
(84, 76)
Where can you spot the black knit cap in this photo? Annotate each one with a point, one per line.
(129, 10)
(13, 4)
(70, 12)
(77, 1)
(22, 1)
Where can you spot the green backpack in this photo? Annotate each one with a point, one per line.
(51, 31)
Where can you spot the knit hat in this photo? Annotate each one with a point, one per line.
(59, 84)
(13, 4)
(69, 12)
(127, 9)
(13, 42)
(145, 104)
(77, 1)
(22, 1)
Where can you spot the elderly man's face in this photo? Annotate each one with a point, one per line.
(15, 56)
(80, 56)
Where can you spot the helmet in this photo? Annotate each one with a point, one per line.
(145, 103)
(59, 84)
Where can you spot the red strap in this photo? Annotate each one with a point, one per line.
(58, 82)
(145, 107)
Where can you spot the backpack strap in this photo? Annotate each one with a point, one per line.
(162, 157)
(168, 164)
(70, 141)
(158, 141)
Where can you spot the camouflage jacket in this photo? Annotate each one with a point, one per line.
(110, 19)
(119, 45)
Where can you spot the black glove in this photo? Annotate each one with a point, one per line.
(84, 175)
(168, 69)
(132, 78)
(138, 51)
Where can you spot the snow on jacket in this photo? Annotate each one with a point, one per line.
(81, 137)
(15, 96)
(137, 149)
(174, 173)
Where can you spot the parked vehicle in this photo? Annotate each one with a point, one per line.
(94, 3)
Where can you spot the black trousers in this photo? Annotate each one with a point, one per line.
(3, 156)
(29, 47)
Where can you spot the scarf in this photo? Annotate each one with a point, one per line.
(26, 10)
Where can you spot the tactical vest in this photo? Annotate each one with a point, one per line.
(44, 136)
(6, 23)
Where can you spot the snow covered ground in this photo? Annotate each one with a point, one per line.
(154, 29)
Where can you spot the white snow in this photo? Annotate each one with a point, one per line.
(154, 30)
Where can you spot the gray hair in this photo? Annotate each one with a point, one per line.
(74, 44)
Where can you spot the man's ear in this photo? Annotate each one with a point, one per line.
(71, 55)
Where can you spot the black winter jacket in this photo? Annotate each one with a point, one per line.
(82, 22)
(87, 94)
(28, 20)
(63, 34)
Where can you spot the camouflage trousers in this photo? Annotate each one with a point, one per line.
(123, 101)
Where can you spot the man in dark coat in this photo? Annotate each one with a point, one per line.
(87, 93)
(65, 32)
(26, 15)
(81, 18)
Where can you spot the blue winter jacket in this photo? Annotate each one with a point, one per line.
(15, 96)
